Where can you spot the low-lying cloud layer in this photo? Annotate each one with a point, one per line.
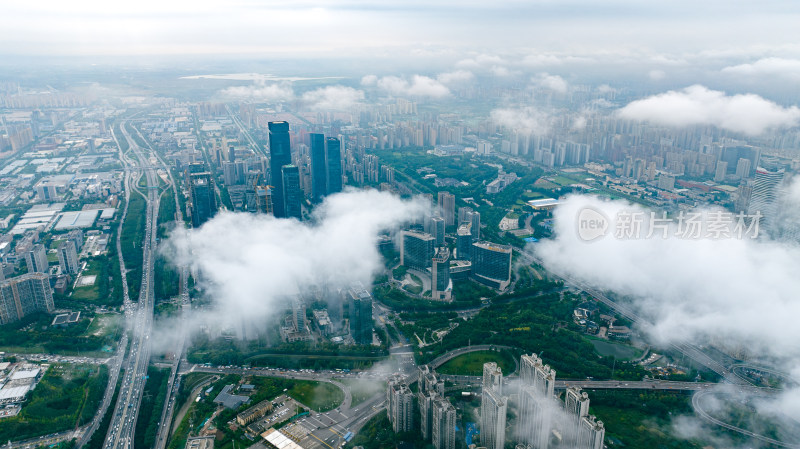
(259, 91)
(697, 105)
(417, 86)
(252, 265)
(334, 97)
(738, 293)
(526, 119)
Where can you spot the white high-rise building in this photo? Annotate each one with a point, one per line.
(493, 408)
(766, 189)
(443, 425)
(400, 405)
(493, 419)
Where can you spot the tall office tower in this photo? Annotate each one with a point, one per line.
(721, 171)
(292, 195)
(229, 173)
(441, 286)
(76, 235)
(22, 295)
(536, 401)
(447, 207)
(743, 168)
(360, 302)
(464, 242)
(464, 215)
(493, 419)
(732, 155)
(492, 378)
(231, 154)
(491, 264)
(443, 428)
(333, 157)
(400, 405)
(476, 225)
(298, 315)
(68, 258)
(319, 170)
(280, 154)
(36, 259)
(766, 189)
(204, 198)
(437, 230)
(416, 250)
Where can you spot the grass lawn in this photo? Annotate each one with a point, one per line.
(104, 324)
(620, 351)
(471, 364)
(363, 389)
(320, 396)
(562, 181)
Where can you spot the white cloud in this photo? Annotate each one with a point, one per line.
(551, 82)
(788, 68)
(251, 265)
(525, 119)
(333, 98)
(697, 105)
(657, 75)
(455, 77)
(727, 291)
(480, 61)
(579, 123)
(260, 91)
(498, 70)
(606, 89)
(369, 80)
(542, 60)
(419, 86)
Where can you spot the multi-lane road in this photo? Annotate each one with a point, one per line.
(139, 315)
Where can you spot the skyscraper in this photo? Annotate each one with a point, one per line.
(447, 207)
(475, 218)
(491, 264)
(437, 230)
(68, 258)
(22, 295)
(464, 242)
(36, 259)
(360, 304)
(334, 161)
(493, 419)
(292, 195)
(766, 187)
(319, 170)
(400, 405)
(443, 428)
(441, 286)
(416, 250)
(204, 197)
(280, 154)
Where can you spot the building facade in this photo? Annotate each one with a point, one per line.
(23, 295)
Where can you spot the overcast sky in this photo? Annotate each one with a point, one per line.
(678, 29)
